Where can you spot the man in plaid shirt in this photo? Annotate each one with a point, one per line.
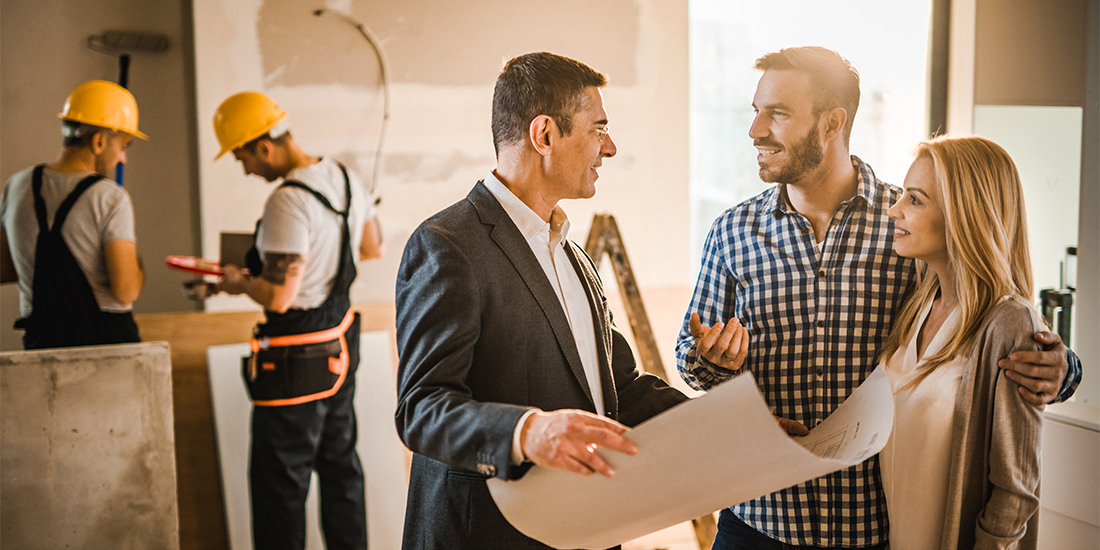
(808, 269)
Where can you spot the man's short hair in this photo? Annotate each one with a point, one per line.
(834, 80)
(78, 134)
(539, 84)
(277, 135)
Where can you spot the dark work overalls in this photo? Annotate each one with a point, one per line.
(289, 442)
(64, 309)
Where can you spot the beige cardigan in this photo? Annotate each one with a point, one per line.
(993, 484)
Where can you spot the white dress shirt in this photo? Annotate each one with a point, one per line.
(545, 240)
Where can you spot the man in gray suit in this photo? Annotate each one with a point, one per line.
(508, 357)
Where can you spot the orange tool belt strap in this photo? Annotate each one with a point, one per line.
(336, 365)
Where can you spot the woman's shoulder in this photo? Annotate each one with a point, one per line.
(1013, 319)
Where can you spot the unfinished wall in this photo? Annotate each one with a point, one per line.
(87, 455)
(1030, 53)
(43, 56)
(444, 58)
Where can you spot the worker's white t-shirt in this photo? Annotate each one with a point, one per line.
(103, 214)
(295, 222)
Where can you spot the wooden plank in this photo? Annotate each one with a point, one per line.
(705, 530)
(201, 504)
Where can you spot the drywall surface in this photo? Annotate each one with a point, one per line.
(43, 56)
(87, 451)
(444, 58)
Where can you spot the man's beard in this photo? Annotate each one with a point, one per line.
(804, 156)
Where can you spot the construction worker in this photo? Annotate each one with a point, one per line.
(68, 230)
(301, 374)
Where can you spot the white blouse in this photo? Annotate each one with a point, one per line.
(916, 460)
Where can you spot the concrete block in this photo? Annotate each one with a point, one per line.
(87, 450)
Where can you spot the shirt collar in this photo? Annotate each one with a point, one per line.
(866, 189)
(527, 221)
(866, 184)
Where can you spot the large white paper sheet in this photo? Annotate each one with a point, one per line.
(712, 452)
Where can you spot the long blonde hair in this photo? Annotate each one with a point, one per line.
(986, 228)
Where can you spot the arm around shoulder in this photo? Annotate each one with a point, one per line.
(124, 270)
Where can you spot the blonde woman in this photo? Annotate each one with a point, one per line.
(961, 469)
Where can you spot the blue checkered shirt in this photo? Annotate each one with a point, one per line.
(816, 321)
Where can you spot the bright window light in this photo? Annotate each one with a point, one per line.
(888, 42)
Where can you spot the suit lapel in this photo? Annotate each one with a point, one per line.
(593, 288)
(511, 242)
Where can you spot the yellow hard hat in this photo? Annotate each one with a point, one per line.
(104, 104)
(244, 117)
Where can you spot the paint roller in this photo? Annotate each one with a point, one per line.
(119, 44)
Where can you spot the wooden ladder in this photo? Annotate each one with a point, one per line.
(604, 238)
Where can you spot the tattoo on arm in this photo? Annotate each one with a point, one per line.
(278, 266)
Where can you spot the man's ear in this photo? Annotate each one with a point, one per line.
(100, 140)
(264, 150)
(832, 123)
(541, 133)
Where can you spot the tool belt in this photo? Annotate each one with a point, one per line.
(289, 370)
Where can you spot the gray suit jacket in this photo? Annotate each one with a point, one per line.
(482, 338)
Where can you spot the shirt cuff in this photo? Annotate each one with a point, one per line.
(517, 451)
(707, 364)
(1073, 377)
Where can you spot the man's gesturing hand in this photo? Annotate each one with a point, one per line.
(725, 345)
(567, 440)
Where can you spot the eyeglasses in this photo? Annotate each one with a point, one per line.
(603, 133)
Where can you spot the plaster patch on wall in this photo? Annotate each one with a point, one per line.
(427, 168)
(444, 58)
(443, 43)
(602, 34)
(299, 48)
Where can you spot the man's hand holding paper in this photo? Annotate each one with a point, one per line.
(653, 489)
(567, 440)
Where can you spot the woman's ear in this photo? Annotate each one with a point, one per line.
(541, 133)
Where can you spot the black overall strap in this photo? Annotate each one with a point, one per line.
(64, 309)
(66, 205)
(335, 306)
(324, 200)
